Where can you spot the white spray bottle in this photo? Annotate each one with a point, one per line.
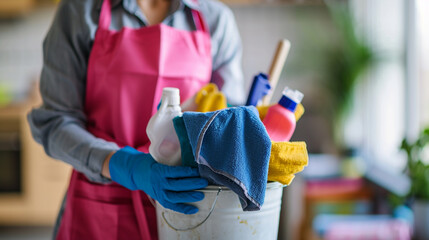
(164, 143)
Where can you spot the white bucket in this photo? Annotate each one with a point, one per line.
(220, 216)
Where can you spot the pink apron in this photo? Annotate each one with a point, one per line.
(127, 71)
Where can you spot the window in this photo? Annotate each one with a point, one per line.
(380, 117)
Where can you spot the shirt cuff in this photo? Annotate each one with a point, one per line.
(98, 153)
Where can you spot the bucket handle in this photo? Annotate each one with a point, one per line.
(199, 224)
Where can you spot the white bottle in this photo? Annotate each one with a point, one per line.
(164, 143)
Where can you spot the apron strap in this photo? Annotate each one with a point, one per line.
(105, 15)
(200, 24)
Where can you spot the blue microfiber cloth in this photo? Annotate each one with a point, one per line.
(185, 146)
(232, 148)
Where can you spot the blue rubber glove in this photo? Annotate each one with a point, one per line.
(171, 186)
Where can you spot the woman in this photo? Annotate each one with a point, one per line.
(105, 64)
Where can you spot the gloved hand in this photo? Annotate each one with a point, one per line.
(171, 186)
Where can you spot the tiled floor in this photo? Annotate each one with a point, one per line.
(25, 233)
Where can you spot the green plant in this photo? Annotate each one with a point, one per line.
(347, 56)
(347, 61)
(418, 169)
(5, 96)
(330, 44)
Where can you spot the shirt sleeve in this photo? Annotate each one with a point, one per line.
(227, 65)
(59, 124)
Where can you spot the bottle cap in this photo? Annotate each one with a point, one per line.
(291, 98)
(172, 94)
(294, 95)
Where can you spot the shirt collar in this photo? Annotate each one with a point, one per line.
(193, 4)
(113, 3)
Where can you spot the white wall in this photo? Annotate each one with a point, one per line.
(262, 26)
(21, 50)
(423, 41)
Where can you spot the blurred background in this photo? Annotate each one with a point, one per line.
(363, 66)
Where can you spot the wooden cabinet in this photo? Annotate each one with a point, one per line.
(14, 8)
(334, 196)
(43, 180)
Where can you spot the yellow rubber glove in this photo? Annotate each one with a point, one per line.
(209, 99)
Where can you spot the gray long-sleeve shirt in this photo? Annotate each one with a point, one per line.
(59, 124)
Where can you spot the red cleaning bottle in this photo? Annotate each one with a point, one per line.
(280, 120)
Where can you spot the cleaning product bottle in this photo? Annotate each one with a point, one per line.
(280, 120)
(164, 143)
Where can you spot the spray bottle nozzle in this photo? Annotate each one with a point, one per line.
(260, 88)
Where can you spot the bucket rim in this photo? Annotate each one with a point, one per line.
(215, 188)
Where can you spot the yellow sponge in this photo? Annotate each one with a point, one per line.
(286, 159)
